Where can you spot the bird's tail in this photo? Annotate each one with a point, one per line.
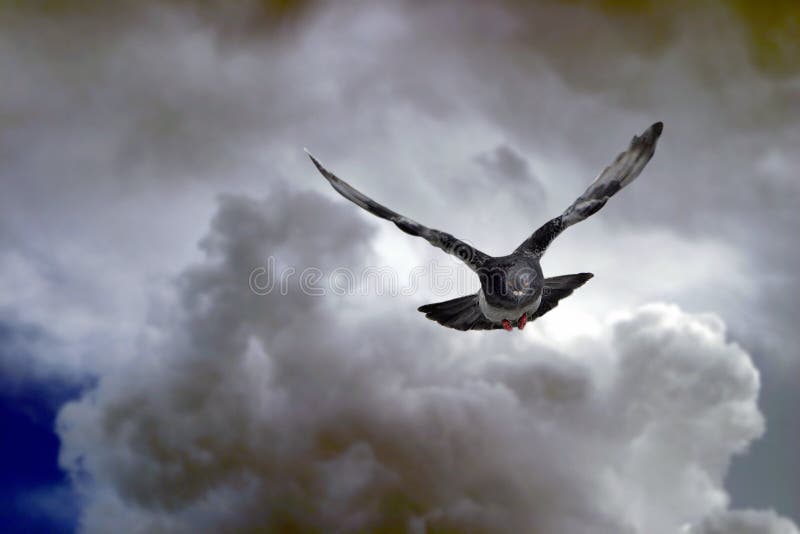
(556, 289)
(462, 313)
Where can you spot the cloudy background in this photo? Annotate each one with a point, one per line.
(152, 159)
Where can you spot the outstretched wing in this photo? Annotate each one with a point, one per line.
(473, 257)
(620, 173)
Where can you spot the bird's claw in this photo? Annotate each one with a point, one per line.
(522, 321)
(507, 325)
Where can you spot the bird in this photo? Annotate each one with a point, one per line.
(513, 290)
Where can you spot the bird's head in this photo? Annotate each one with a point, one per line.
(504, 285)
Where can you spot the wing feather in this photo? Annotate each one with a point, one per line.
(473, 257)
(622, 171)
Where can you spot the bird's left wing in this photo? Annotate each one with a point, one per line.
(473, 257)
(622, 171)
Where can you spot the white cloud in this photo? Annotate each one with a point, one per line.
(273, 412)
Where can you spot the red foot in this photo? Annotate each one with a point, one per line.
(522, 321)
(507, 325)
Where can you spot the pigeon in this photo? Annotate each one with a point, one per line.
(513, 290)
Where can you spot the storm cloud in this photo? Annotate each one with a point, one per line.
(126, 130)
(239, 419)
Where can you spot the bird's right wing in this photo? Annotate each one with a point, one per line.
(625, 168)
(473, 257)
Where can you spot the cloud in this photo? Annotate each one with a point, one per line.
(113, 158)
(503, 160)
(276, 412)
(18, 343)
(745, 522)
(505, 169)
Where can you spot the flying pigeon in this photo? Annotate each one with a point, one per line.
(513, 290)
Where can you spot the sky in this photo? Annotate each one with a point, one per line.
(152, 164)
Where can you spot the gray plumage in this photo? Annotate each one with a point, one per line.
(513, 288)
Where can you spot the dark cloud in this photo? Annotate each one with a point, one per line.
(506, 171)
(507, 168)
(745, 522)
(250, 14)
(18, 344)
(506, 162)
(120, 126)
(275, 412)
